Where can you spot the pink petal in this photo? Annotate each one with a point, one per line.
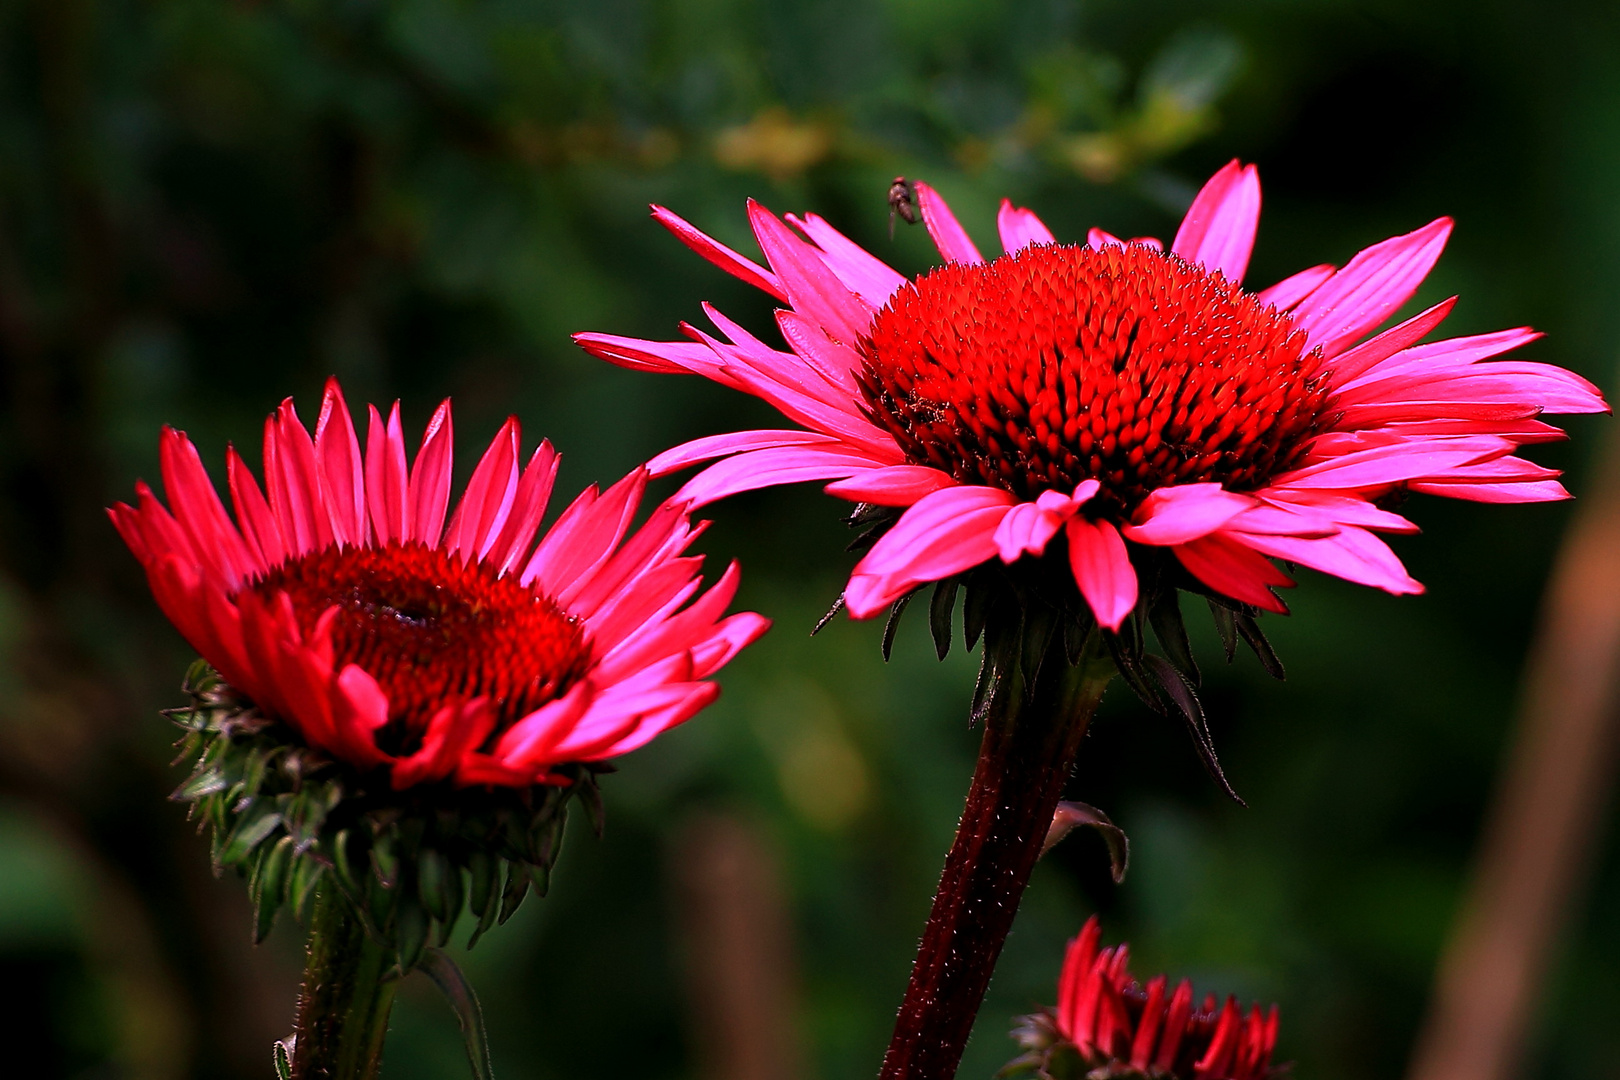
(290, 482)
(489, 495)
(891, 485)
(1020, 228)
(662, 357)
(1102, 568)
(1234, 570)
(1339, 508)
(528, 507)
(258, 524)
(834, 361)
(1218, 231)
(584, 537)
(429, 486)
(1535, 491)
(717, 253)
(736, 442)
(863, 273)
(387, 489)
(1400, 412)
(215, 539)
(786, 381)
(812, 288)
(948, 234)
(341, 475)
(1097, 238)
(1175, 515)
(1369, 354)
(1395, 463)
(1029, 527)
(1353, 554)
(453, 731)
(769, 468)
(1370, 287)
(1287, 293)
(943, 534)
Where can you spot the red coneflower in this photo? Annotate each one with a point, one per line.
(398, 710)
(1127, 397)
(342, 605)
(1109, 1024)
(1073, 435)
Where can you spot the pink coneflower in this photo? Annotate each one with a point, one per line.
(1121, 396)
(342, 605)
(1118, 1027)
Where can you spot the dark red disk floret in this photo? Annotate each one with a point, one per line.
(433, 629)
(1125, 364)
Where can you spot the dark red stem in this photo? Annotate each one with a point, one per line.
(1030, 740)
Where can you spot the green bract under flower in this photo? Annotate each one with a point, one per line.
(293, 819)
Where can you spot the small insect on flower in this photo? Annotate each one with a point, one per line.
(903, 201)
(1106, 1024)
(389, 700)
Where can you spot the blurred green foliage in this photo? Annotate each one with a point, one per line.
(207, 205)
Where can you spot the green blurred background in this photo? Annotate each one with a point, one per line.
(206, 206)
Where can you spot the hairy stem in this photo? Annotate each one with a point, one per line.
(1031, 736)
(344, 1004)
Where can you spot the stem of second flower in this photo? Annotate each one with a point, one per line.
(347, 995)
(1031, 736)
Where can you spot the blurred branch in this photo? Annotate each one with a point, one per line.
(739, 950)
(1539, 839)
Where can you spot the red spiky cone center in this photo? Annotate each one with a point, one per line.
(433, 630)
(1059, 364)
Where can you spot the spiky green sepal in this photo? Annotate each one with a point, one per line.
(1047, 1055)
(287, 817)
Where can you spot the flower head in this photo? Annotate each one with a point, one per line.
(377, 667)
(1107, 1024)
(1132, 406)
(343, 606)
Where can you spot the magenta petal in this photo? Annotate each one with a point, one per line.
(812, 288)
(1218, 231)
(253, 513)
(1020, 228)
(715, 446)
(1175, 515)
(1339, 508)
(891, 485)
(1370, 287)
(1353, 554)
(1026, 529)
(387, 485)
(781, 465)
(429, 486)
(489, 495)
(1287, 293)
(714, 251)
(1102, 568)
(863, 273)
(1369, 354)
(1234, 570)
(1395, 463)
(945, 533)
(1533, 491)
(341, 475)
(949, 236)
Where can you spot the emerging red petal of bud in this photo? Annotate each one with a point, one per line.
(432, 627)
(1124, 364)
(1116, 1027)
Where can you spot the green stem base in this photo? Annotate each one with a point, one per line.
(345, 1000)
